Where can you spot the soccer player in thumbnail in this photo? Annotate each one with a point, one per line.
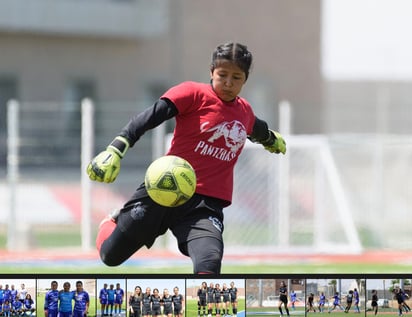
(202, 302)
(233, 298)
(66, 298)
(81, 301)
(178, 303)
(103, 298)
(118, 300)
(283, 298)
(51, 300)
(135, 302)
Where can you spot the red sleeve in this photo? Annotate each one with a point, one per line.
(183, 96)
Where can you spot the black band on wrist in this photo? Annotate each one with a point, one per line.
(118, 144)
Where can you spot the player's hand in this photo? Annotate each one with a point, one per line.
(105, 167)
(275, 144)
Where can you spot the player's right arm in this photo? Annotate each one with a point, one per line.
(46, 311)
(105, 167)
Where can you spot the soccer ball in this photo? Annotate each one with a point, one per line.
(170, 181)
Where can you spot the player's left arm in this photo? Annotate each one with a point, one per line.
(271, 140)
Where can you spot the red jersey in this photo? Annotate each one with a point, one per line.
(210, 133)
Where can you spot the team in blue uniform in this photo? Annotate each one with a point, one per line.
(51, 301)
(66, 297)
(118, 299)
(111, 294)
(81, 301)
(103, 299)
(336, 302)
(322, 301)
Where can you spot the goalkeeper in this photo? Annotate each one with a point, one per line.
(212, 125)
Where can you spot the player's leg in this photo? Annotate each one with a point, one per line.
(199, 234)
(286, 307)
(206, 254)
(137, 224)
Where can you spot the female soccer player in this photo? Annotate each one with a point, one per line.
(349, 300)
(135, 302)
(28, 305)
(118, 300)
(81, 301)
(167, 303)
(212, 125)
(156, 303)
(283, 298)
(210, 299)
(225, 299)
(233, 298)
(356, 300)
(336, 302)
(111, 294)
(322, 301)
(374, 303)
(218, 299)
(147, 303)
(293, 298)
(103, 299)
(178, 303)
(66, 298)
(309, 303)
(51, 300)
(202, 303)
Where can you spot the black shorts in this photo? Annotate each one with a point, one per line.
(177, 310)
(156, 311)
(167, 310)
(202, 302)
(142, 220)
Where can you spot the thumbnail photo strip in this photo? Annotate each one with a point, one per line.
(281, 296)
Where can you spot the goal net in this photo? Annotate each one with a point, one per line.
(290, 203)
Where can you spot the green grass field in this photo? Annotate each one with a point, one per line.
(62, 237)
(297, 268)
(191, 307)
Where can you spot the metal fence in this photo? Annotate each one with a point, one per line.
(340, 193)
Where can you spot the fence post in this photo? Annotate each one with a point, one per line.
(87, 146)
(12, 170)
(283, 198)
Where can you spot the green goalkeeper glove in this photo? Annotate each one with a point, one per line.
(275, 143)
(106, 165)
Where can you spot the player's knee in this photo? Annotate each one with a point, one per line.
(116, 249)
(109, 259)
(210, 262)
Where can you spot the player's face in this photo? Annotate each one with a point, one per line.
(54, 286)
(66, 287)
(227, 80)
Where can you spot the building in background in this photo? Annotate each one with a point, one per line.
(124, 54)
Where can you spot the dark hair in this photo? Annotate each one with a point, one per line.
(234, 52)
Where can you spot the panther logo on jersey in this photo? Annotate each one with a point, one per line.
(233, 132)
